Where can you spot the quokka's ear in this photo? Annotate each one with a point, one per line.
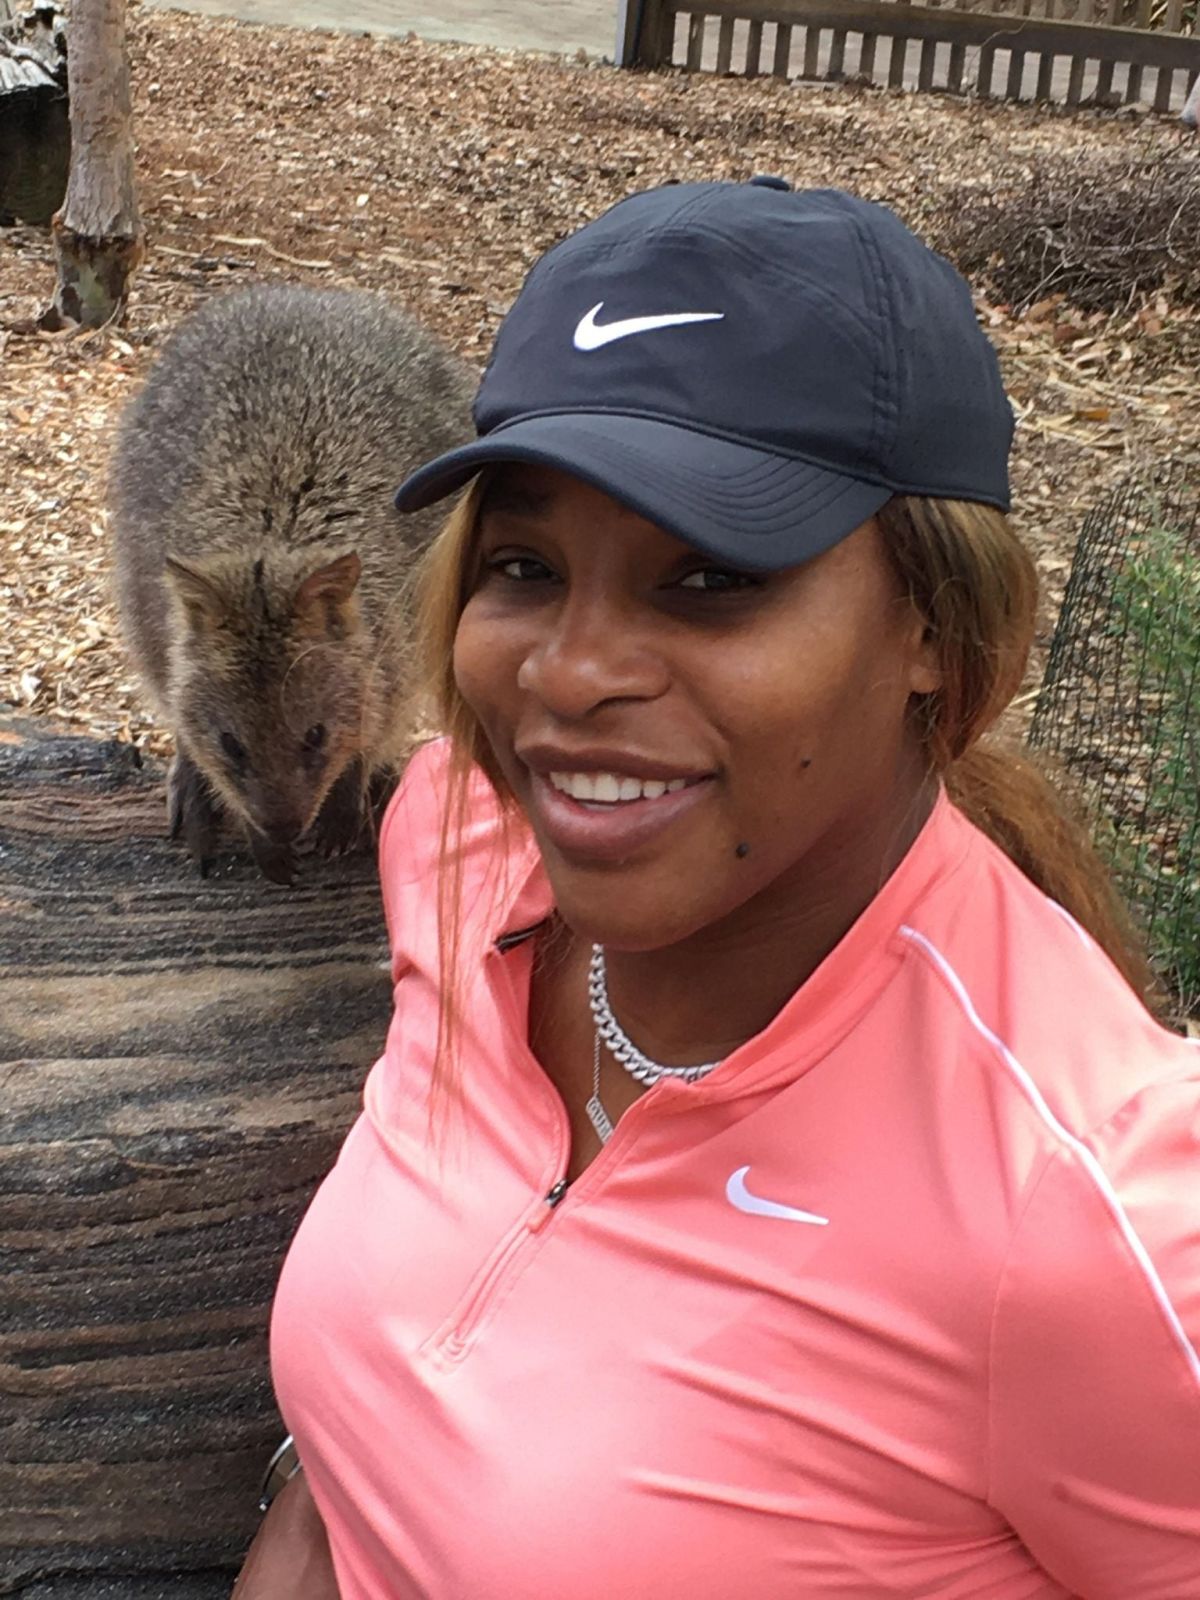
(199, 594)
(323, 604)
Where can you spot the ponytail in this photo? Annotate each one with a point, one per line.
(1006, 795)
(975, 585)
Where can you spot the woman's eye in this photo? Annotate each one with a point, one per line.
(719, 580)
(235, 751)
(520, 569)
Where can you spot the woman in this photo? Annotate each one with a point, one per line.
(770, 1188)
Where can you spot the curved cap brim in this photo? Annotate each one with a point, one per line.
(745, 506)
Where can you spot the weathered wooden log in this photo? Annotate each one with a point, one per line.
(178, 1062)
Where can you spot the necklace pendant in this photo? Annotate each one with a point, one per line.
(598, 1118)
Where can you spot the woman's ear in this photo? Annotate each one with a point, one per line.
(925, 661)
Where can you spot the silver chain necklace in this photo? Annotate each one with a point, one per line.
(618, 1043)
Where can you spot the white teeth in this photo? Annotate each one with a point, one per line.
(612, 788)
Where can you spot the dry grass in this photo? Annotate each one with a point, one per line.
(1107, 230)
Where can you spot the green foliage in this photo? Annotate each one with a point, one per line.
(1156, 845)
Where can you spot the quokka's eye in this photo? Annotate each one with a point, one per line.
(233, 750)
(315, 737)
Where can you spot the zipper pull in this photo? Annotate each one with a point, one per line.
(543, 1214)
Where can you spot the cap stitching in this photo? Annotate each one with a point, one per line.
(886, 404)
(945, 490)
(685, 425)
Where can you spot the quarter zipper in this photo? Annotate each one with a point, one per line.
(453, 1344)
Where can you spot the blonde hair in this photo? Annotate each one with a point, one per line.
(975, 585)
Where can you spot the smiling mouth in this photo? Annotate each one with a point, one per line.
(613, 788)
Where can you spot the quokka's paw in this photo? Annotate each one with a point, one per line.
(193, 811)
(343, 822)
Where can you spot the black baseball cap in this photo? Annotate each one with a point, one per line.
(755, 369)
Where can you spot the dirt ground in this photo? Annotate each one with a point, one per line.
(435, 174)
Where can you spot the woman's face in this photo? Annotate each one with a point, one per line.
(689, 742)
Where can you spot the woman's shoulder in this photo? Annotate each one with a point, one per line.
(1091, 1107)
(410, 835)
(444, 820)
(1034, 988)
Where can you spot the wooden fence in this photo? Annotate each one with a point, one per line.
(1030, 51)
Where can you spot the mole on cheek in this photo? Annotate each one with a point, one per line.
(742, 851)
(805, 761)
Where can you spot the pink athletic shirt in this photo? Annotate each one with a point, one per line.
(903, 1299)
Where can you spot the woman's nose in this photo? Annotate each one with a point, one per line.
(590, 654)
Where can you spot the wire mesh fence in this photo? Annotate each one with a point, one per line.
(1119, 707)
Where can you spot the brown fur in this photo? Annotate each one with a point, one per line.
(261, 567)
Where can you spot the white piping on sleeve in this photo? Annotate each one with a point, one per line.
(1085, 1156)
(1081, 933)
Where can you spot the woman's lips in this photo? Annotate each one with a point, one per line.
(594, 830)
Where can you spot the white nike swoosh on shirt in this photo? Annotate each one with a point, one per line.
(738, 1195)
(591, 335)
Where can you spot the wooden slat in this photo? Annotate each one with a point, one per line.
(1088, 41)
(927, 63)
(725, 46)
(1162, 89)
(896, 64)
(1075, 80)
(1173, 18)
(1103, 83)
(836, 66)
(1112, 11)
(983, 72)
(667, 29)
(695, 43)
(1016, 75)
(1044, 89)
(954, 72)
(866, 56)
(783, 50)
(1133, 89)
(753, 46)
(1143, 13)
(812, 52)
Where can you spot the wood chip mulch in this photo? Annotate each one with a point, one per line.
(437, 173)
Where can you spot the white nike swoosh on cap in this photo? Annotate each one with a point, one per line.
(591, 335)
(738, 1195)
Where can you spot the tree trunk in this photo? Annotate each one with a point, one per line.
(98, 233)
(179, 1060)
